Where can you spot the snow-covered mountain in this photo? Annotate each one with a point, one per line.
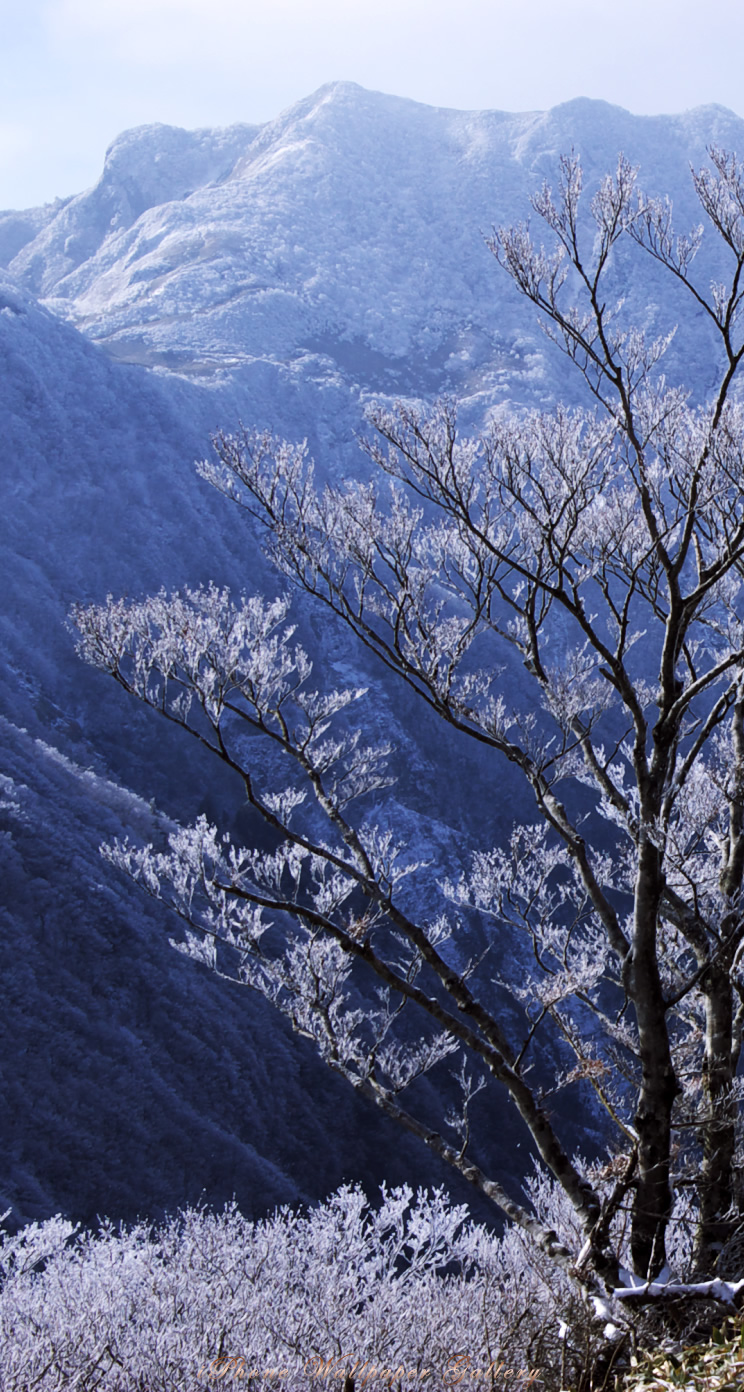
(283, 274)
(346, 234)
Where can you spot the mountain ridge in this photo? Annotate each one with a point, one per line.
(352, 218)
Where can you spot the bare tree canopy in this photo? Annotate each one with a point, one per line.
(604, 547)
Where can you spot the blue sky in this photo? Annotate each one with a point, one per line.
(77, 72)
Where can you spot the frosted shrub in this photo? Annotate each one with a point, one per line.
(409, 1292)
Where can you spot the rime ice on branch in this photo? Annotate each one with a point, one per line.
(604, 548)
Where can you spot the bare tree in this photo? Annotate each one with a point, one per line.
(604, 547)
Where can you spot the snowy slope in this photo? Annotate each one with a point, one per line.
(350, 227)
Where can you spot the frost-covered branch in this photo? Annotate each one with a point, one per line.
(563, 589)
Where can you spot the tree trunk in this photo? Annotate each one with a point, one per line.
(716, 1191)
(659, 1087)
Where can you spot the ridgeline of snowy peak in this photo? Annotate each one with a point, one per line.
(281, 274)
(351, 227)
